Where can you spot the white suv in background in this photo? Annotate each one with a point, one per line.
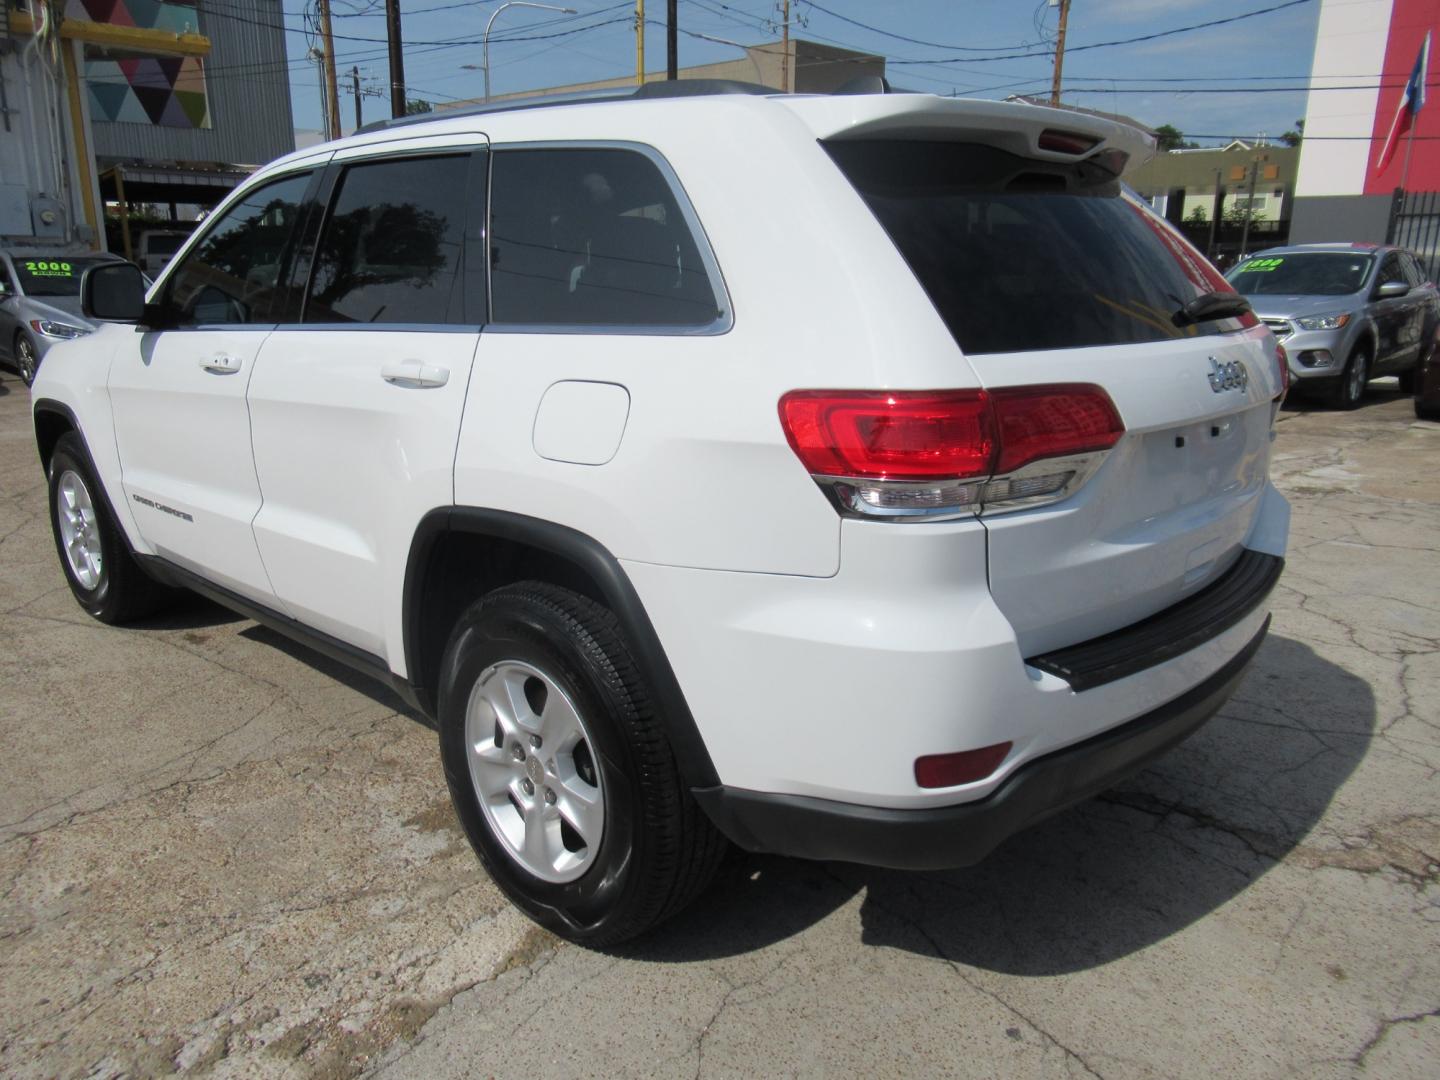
(851, 477)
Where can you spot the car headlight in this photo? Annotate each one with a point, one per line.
(1323, 322)
(52, 329)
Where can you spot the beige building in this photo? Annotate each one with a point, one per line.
(809, 67)
(1181, 184)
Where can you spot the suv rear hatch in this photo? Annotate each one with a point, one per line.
(1047, 271)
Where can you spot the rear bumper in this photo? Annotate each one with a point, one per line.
(961, 835)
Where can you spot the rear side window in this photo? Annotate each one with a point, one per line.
(592, 237)
(1019, 255)
(390, 249)
(232, 275)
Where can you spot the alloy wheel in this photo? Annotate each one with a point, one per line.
(533, 770)
(25, 359)
(79, 530)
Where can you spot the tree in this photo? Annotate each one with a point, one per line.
(415, 106)
(1237, 213)
(1197, 215)
(1292, 138)
(1169, 137)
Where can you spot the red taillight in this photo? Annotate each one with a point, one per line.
(1283, 359)
(1053, 421)
(1066, 142)
(945, 435)
(965, 767)
(891, 436)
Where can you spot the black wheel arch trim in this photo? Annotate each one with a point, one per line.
(616, 591)
(57, 408)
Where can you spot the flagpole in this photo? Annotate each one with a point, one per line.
(1409, 146)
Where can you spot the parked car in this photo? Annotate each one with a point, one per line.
(40, 304)
(870, 506)
(156, 246)
(1427, 381)
(1346, 313)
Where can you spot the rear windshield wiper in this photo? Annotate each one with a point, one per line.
(1211, 305)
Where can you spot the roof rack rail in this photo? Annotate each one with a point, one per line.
(648, 92)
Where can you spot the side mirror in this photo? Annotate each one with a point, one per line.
(113, 292)
(1392, 289)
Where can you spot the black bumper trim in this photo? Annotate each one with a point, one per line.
(1169, 633)
(963, 834)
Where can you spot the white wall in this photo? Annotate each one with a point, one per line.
(1349, 48)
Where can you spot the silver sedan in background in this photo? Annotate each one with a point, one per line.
(1346, 313)
(40, 304)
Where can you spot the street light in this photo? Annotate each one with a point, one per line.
(485, 41)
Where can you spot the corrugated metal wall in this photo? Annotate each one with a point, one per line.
(248, 87)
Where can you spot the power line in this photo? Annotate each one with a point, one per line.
(1108, 44)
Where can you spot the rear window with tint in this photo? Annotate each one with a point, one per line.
(592, 237)
(1018, 254)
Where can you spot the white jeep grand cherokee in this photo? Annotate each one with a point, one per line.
(851, 477)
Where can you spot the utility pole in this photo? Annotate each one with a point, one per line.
(397, 58)
(785, 49)
(327, 62)
(640, 42)
(1217, 210)
(672, 57)
(1059, 52)
(355, 89)
(1250, 205)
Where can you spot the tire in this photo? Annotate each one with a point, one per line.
(102, 573)
(1426, 412)
(576, 725)
(1351, 390)
(25, 361)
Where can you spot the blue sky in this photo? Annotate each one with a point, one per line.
(527, 51)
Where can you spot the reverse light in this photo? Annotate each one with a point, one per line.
(933, 454)
(965, 767)
(62, 331)
(1324, 322)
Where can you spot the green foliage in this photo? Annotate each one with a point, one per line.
(1197, 215)
(415, 106)
(1169, 137)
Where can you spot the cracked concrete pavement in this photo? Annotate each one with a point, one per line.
(222, 855)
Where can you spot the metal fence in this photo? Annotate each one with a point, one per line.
(1415, 224)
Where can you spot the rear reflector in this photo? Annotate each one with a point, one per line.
(965, 767)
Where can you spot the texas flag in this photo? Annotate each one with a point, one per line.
(1410, 105)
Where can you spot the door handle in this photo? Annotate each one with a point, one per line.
(221, 364)
(414, 375)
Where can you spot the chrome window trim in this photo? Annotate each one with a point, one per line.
(383, 328)
(725, 318)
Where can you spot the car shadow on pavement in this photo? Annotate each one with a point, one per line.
(1101, 880)
(358, 681)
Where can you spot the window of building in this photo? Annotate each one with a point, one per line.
(391, 247)
(592, 237)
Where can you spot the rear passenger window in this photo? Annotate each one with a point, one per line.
(390, 249)
(588, 237)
